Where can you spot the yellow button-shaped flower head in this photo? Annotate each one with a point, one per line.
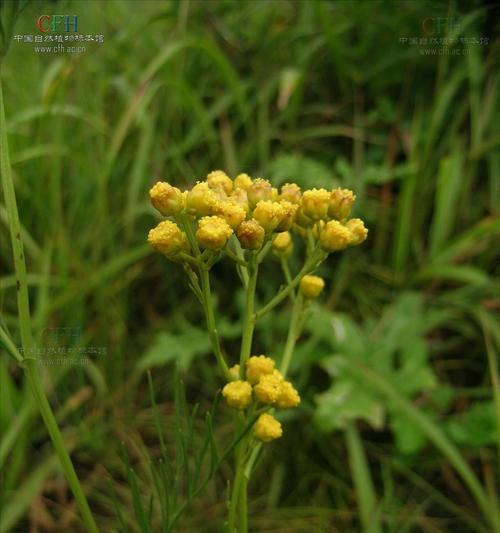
(168, 239)
(335, 236)
(250, 234)
(291, 193)
(258, 366)
(282, 244)
(311, 286)
(268, 389)
(238, 394)
(289, 216)
(358, 230)
(233, 213)
(315, 203)
(213, 232)
(267, 428)
(269, 214)
(243, 181)
(260, 189)
(289, 397)
(218, 179)
(201, 200)
(239, 197)
(341, 202)
(167, 199)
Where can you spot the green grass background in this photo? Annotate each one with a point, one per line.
(322, 93)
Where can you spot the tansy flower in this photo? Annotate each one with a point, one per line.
(268, 214)
(168, 239)
(250, 234)
(167, 199)
(238, 394)
(288, 397)
(289, 216)
(311, 286)
(268, 389)
(213, 232)
(258, 366)
(291, 193)
(315, 203)
(335, 236)
(239, 197)
(267, 428)
(243, 181)
(217, 179)
(231, 212)
(282, 244)
(260, 189)
(341, 201)
(358, 230)
(201, 200)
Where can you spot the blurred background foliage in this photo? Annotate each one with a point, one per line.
(322, 93)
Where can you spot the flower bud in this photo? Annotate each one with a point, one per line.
(250, 234)
(341, 202)
(267, 428)
(231, 212)
(168, 200)
(258, 366)
(315, 203)
(358, 230)
(291, 193)
(168, 239)
(269, 214)
(288, 397)
(289, 217)
(238, 394)
(311, 286)
(234, 372)
(219, 180)
(213, 232)
(243, 181)
(335, 236)
(260, 189)
(201, 200)
(282, 244)
(268, 389)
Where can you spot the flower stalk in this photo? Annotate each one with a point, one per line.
(244, 220)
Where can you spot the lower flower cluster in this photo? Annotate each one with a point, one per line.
(261, 385)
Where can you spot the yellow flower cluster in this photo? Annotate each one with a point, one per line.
(255, 212)
(265, 384)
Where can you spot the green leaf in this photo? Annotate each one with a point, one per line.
(180, 348)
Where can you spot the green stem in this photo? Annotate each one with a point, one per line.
(249, 319)
(211, 326)
(58, 442)
(293, 334)
(238, 487)
(25, 326)
(311, 264)
(363, 484)
(15, 232)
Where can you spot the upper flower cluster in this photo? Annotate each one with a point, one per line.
(255, 212)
